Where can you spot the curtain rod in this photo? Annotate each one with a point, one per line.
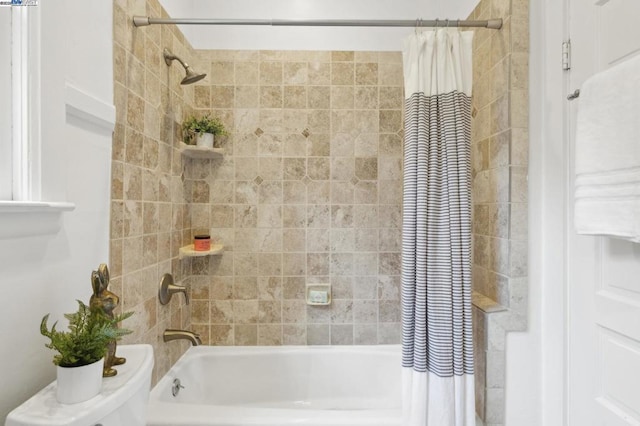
(495, 24)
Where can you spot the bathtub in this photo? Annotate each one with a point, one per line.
(287, 385)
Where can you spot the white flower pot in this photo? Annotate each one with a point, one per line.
(78, 384)
(205, 140)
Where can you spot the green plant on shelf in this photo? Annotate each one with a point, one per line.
(193, 126)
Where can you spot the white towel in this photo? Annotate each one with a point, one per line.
(607, 193)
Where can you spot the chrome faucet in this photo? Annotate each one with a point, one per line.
(172, 334)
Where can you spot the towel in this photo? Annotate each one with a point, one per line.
(607, 185)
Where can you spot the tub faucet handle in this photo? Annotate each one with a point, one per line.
(168, 289)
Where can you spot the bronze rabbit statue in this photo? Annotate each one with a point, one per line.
(105, 301)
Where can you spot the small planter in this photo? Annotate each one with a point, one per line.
(78, 384)
(204, 140)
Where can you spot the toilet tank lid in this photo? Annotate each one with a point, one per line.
(44, 409)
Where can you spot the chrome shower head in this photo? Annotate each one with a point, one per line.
(191, 76)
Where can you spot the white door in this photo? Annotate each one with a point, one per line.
(603, 341)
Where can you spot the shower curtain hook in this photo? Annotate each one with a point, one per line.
(447, 23)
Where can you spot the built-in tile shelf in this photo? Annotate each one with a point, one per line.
(486, 304)
(193, 151)
(189, 251)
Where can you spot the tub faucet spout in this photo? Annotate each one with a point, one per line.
(172, 334)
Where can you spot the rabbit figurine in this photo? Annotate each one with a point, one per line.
(106, 301)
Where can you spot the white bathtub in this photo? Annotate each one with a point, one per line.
(289, 385)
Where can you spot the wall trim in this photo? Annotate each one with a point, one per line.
(87, 107)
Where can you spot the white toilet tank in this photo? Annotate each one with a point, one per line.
(121, 402)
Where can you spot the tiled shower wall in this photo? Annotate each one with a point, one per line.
(500, 162)
(308, 191)
(149, 213)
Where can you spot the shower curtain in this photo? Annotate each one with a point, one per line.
(437, 344)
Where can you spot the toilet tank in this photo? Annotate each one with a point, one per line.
(121, 402)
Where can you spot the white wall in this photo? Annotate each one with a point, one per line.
(535, 359)
(45, 273)
(308, 38)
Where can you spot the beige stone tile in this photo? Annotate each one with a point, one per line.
(342, 334)
(519, 109)
(342, 97)
(293, 192)
(390, 74)
(200, 311)
(367, 122)
(318, 192)
(318, 264)
(245, 264)
(295, 145)
(389, 263)
(270, 312)
(271, 73)
(221, 288)
(499, 149)
(294, 334)
(247, 72)
(389, 333)
(342, 73)
(366, 73)
(318, 168)
(245, 288)
(341, 264)
(295, 97)
(294, 239)
(245, 335)
(318, 314)
(500, 114)
(270, 334)
(319, 121)
(366, 97)
(269, 288)
(245, 311)
(342, 56)
(366, 168)
(318, 240)
(293, 264)
(270, 192)
(318, 334)
(390, 121)
(222, 73)
(390, 57)
(319, 73)
(294, 168)
(364, 56)
(293, 288)
(271, 97)
(247, 96)
(365, 334)
(222, 96)
(295, 73)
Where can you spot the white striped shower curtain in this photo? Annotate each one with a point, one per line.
(437, 337)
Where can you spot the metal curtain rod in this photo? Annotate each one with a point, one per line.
(494, 24)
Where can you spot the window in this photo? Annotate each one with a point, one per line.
(19, 101)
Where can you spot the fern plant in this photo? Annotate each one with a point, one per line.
(206, 124)
(90, 331)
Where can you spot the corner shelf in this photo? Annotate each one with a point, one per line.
(193, 151)
(188, 251)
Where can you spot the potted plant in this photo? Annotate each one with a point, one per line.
(81, 350)
(200, 131)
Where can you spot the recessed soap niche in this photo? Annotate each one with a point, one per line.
(318, 294)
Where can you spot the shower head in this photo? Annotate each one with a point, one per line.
(191, 76)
